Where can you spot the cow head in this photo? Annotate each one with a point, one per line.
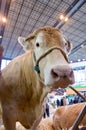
(50, 50)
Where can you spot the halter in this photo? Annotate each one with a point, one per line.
(36, 67)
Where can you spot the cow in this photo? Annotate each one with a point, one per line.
(28, 78)
(65, 116)
(18, 126)
(45, 124)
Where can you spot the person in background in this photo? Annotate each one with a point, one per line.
(62, 104)
(47, 110)
(67, 101)
(64, 101)
(75, 99)
(71, 101)
(57, 102)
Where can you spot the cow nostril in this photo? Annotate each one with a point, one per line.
(64, 76)
(54, 74)
(71, 73)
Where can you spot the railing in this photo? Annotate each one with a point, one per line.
(81, 114)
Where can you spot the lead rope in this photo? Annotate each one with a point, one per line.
(83, 97)
(36, 123)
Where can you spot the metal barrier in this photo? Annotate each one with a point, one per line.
(83, 97)
(81, 115)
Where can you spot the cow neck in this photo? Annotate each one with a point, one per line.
(37, 121)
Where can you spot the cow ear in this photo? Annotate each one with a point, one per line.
(21, 40)
(24, 43)
(69, 47)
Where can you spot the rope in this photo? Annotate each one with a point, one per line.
(83, 97)
(36, 67)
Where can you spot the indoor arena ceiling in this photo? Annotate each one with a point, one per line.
(24, 16)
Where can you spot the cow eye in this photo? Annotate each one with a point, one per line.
(66, 44)
(37, 44)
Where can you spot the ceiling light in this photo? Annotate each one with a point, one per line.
(66, 19)
(79, 60)
(0, 36)
(61, 17)
(13, 0)
(4, 20)
(83, 59)
(82, 46)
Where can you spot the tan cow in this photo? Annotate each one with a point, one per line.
(18, 127)
(22, 90)
(65, 116)
(45, 124)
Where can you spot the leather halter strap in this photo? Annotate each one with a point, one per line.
(36, 67)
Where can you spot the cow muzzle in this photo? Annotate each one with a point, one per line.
(64, 73)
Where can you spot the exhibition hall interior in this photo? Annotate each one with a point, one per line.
(19, 18)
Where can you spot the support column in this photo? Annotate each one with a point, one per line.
(1, 55)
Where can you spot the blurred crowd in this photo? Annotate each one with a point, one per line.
(65, 100)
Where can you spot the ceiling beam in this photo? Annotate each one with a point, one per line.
(69, 13)
(76, 5)
(78, 47)
(5, 58)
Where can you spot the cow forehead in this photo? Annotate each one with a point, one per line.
(42, 37)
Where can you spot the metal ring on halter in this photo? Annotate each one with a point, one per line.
(36, 67)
